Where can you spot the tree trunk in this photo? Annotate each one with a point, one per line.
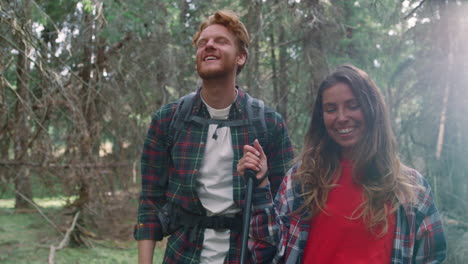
(21, 129)
(185, 52)
(252, 68)
(283, 74)
(161, 40)
(280, 78)
(4, 122)
(447, 46)
(275, 80)
(84, 124)
(450, 180)
(315, 61)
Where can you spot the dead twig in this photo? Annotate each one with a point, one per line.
(64, 241)
(40, 211)
(35, 206)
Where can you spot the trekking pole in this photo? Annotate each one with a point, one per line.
(250, 175)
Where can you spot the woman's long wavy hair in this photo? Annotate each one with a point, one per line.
(375, 156)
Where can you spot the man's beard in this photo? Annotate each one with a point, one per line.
(217, 73)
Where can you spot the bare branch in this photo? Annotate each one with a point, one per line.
(64, 241)
(414, 10)
(40, 211)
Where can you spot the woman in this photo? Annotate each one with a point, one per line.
(348, 199)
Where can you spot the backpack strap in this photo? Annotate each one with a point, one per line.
(256, 115)
(182, 113)
(220, 123)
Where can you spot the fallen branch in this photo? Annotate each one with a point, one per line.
(64, 166)
(39, 210)
(64, 241)
(35, 206)
(451, 221)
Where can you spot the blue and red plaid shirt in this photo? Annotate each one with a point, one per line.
(280, 237)
(169, 173)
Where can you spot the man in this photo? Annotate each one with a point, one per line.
(191, 189)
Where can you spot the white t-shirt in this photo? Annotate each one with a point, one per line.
(214, 186)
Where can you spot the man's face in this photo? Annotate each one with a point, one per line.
(217, 53)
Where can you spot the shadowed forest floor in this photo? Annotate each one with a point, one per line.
(27, 237)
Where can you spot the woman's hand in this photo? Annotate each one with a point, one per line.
(254, 158)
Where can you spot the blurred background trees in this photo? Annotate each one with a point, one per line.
(79, 81)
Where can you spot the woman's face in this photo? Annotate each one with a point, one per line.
(343, 117)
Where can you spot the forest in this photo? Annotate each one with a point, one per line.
(80, 80)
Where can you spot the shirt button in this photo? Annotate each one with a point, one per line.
(267, 196)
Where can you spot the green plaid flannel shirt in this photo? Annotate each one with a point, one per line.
(169, 174)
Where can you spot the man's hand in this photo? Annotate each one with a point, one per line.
(254, 158)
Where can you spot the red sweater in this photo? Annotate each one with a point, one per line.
(335, 238)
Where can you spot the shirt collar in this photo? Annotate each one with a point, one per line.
(236, 111)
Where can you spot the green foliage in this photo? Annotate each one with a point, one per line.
(98, 77)
(88, 5)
